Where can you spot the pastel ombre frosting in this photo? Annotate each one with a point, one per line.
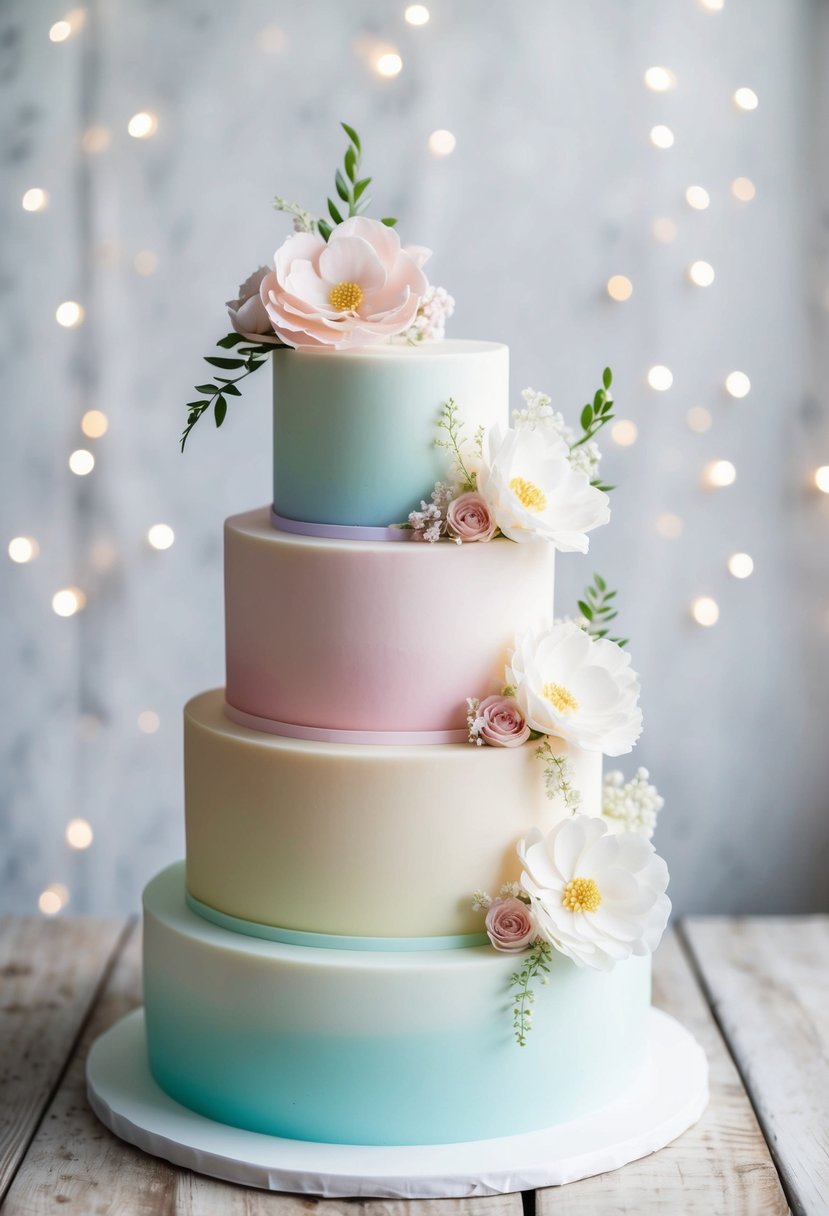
(373, 1047)
(355, 839)
(354, 431)
(372, 636)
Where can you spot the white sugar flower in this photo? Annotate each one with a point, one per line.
(436, 307)
(598, 897)
(535, 494)
(539, 413)
(631, 806)
(578, 688)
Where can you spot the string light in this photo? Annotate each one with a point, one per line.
(705, 611)
(743, 189)
(669, 526)
(740, 565)
(698, 419)
(659, 80)
(442, 143)
(624, 432)
(713, 6)
(417, 14)
(660, 378)
(94, 424)
(161, 536)
(81, 462)
(35, 199)
(664, 230)
(95, 139)
(23, 549)
(701, 274)
(822, 478)
(737, 384)
(148, 722)
(79, 834)
(60, 31)
(54, 899)
(619, 287)
(388, 64)
(142, 125)
(68, 601)
(746, 99)
(69, 314)
(719, 473)
(145, 262)
(697, 197)
(661, 136)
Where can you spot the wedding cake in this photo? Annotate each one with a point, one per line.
(412, 911)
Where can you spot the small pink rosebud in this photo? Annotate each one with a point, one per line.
(469, 518)
(502, 723)
(510, 926)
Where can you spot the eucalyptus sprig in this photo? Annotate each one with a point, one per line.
(451, 423)
(537, 963)
(594, 416)
(598, 610)
(251, 356)
(558, 777)
(350, 187)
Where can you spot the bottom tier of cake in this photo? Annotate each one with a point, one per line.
(373, 1046)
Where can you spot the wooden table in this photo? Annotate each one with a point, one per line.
(754, 992)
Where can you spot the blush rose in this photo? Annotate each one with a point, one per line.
(501, 723)
(469, 518)
(510, 926)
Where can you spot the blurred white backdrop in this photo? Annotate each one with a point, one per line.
(556, 183)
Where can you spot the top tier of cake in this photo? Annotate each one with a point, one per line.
(354, 432)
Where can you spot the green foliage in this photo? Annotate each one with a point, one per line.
(249, 358)
(598, 610)
(595, 415)
(451, 423)
(537, 963)
(350, 188)
(557, 776)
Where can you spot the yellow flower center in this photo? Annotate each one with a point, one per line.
(528, 494)
(582, 895)
(347, 297)
(560, 697)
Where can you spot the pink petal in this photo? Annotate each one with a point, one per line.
(352, 260)
(418, 253)
(304, 282)
(306, 245)
(383, 240)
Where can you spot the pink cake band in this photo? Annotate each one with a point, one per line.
(322, 734)
(337, 531)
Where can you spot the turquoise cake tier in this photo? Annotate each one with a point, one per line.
(371, 1046)
(354, 431)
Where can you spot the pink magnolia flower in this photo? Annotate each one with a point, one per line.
(359, 288)
(469, 518)
(510, 925)
(247, 313)
(500, 722)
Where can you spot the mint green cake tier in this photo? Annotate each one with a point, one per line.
(354, 431)
(371, 1046)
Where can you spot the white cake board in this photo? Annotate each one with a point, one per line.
(670, 1096)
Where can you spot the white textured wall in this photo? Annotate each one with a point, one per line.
(552, 188)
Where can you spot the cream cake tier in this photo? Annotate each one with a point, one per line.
(370, 635)
(375, 1046)
(354, 431)
(353, 839)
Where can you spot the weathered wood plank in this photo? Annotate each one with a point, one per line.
(768, 983)
(49, 974)
(76, 1163)
(721, 1167)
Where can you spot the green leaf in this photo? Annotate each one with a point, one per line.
(351, 164)
(324, 229)
(219, 361)
(334, 213)
(610, 596)
(607, 377)
(220, 410)
(192, 405)
(598, 401)
(585, 610)
(232, 389)
(600, 583)
(342, 187)
(388, 221)
(586, 417)
(206, 388)
(230, 340)
(360, 188)
(352, 135)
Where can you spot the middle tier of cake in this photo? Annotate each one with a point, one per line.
(357, 840)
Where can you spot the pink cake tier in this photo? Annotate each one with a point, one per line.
(351, 839)
(372, 636)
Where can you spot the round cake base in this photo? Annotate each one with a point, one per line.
(669, 1097)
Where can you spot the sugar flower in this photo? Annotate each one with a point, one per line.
(510, 925)
(359, 288)
(597, 897)
(538, 412)
(498, 721)
(578, 688)
(533, 491)
(631, 806)
(247, 312)
(436, 307)
(469, 519)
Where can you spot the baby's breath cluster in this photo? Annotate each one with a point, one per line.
(538, 413)
(558, 776)
(635, 803)
(429, 325)
(429, 523)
